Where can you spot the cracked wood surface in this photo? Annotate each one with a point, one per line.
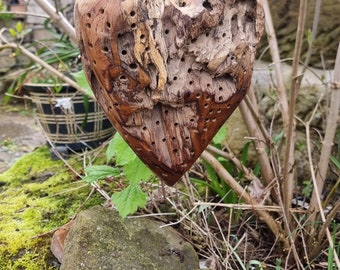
(168, 73)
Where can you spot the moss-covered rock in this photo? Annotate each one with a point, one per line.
(37, 195)
(101, 239)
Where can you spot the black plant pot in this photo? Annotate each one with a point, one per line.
(68, 118)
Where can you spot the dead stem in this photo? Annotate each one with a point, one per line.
(289, 157)
(330, 130)
(242, 193)
(260, 145)
(58, 18)
(275, 54)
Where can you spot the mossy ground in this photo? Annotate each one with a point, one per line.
(37, 195)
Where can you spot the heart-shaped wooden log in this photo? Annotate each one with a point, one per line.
(168, 73)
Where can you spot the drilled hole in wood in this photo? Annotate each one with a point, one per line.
(94, 62)
(132, 13)
(133, 26)
(142, 36)
(207, 120)
(176, 124)
(187, 138)
(207, 34)
(208, 84)
(192, 120)
(105, 49)
(122, 78)
(206, 105)
(163, 140)
(153, 143)
(183, 4)
(175, 151)
(166, 112)
(219, 110)
(182, 59)
(157, 122)
(214, 120)
(249, 17)
(211, 111)
(189, 70)
(88, 25)
(90, 45)
(193, 40)
(166, 31)
(147, 49)
(224, 34)
(101, 10)
(133, 66)
(174, 78)
(116, 104)
(88, 15)
(108, 25)
(207, 5)
(228, 106)
(191, 83)
(124, 52)
(220, 88)
(173, 138)
(220, 98)
(198, 95)
(145, 128)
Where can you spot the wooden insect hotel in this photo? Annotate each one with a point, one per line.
(168, 73)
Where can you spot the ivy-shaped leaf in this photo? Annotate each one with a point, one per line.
(82, 81)
(110, 151)
(136, 170)
(128, 200)
(97, 172)
(220, 135)
(122, 150)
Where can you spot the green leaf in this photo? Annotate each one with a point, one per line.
(220, 135)
(136, 170)
(82, 81)
(110, 151)
(99, 172)
(335, 161)
(122, 150)
(19, 26)
(128, 200)
(245, 151)
(12, 32)
(278, 137)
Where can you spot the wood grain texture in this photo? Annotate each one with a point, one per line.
(168, 73)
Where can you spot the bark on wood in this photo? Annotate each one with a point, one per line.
(168, 73)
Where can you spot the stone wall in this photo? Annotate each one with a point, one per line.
(285, 17)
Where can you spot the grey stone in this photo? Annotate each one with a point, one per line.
(7, 61)
(101, 239)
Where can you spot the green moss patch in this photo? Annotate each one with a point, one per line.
(37, 195)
